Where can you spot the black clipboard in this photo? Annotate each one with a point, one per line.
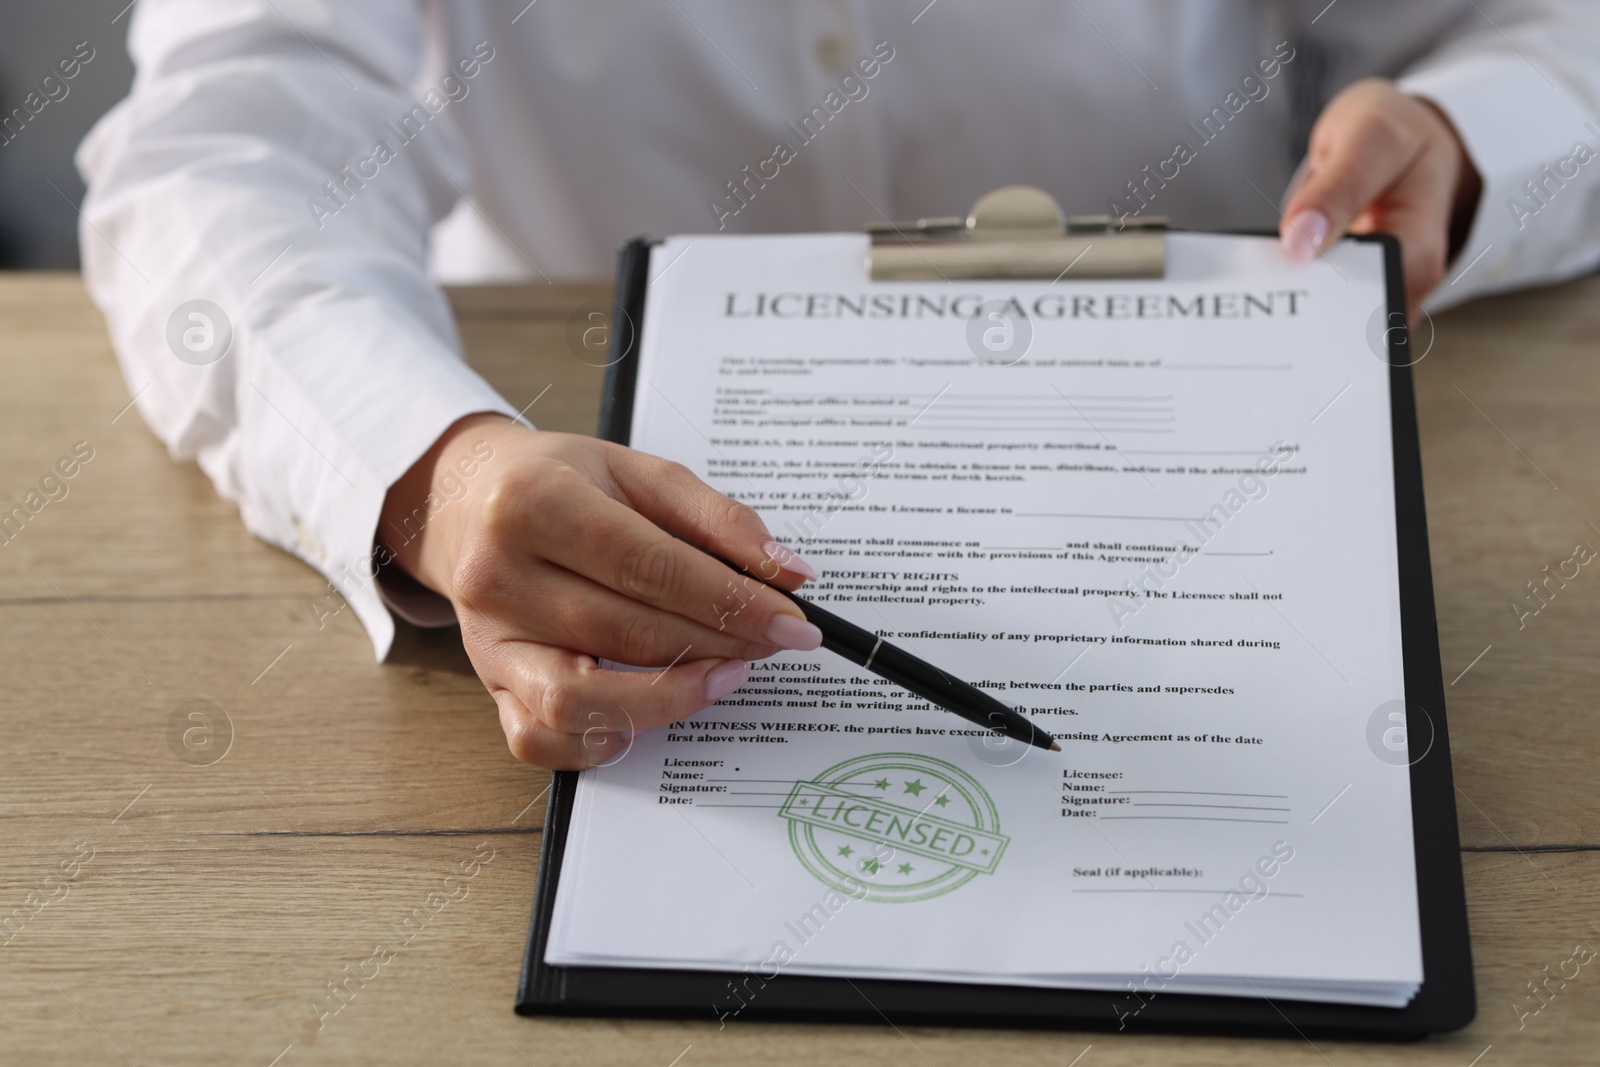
(1445, 1001)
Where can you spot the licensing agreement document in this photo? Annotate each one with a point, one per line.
(1156, 516)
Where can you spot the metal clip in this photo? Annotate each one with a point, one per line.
(1018, 232)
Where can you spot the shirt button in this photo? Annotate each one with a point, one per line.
(833, 55)
(307, 542)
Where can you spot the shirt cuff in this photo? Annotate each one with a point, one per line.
(1516, 239)
(338, 437)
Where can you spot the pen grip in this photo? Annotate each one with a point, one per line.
(839, 635)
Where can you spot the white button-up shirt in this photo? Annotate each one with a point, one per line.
(293, 163)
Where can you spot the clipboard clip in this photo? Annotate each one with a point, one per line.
(1018, 232)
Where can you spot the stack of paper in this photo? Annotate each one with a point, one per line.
(1157, 516)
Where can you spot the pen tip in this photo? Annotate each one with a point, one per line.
(1055, 746)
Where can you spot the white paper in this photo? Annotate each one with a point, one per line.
(1062, 525)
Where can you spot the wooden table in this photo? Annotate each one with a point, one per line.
(163, 912)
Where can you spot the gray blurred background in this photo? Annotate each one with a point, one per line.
(39, 188)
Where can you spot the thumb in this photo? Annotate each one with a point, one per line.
(1358, 150)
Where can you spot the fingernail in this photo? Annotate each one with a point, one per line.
(786, 631)
(725, 679)
(1306, 231)
(789, 560)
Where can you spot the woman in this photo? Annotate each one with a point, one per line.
(291, 167)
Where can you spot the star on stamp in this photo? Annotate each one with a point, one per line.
(894, 827)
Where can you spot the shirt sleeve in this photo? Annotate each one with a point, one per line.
(255, 232)
(1520, 80)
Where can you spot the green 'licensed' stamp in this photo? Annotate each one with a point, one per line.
(894, 827)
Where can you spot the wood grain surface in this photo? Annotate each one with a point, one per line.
(157, 911)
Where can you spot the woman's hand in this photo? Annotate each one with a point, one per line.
(1380, 160)
(556, 549)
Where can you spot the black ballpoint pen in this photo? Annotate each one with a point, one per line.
(868, 650)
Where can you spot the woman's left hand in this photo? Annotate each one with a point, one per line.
(1380, 160)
